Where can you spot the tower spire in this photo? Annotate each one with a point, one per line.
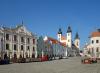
(77, 36)
(69, 29)
(59, 31)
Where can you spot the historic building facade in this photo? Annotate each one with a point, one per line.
(17, 42)
(93, 47)
(67, 40)
(44, 48)
(58, 49)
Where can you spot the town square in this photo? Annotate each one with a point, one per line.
(49, 36)
(71, 65)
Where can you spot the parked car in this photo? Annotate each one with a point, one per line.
(88, 60)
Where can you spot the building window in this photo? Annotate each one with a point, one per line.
(33, 49)
(92, 41)
(97, 50)
(22, 39)
(97, 41)
(21, 47)
(7, 46)
(77, 43)
(7, 36)
(89, 51)
(68, 40)
(28, 48)
(1, 39)
(15, 47)
(92, 50)
(33, 41)
(68, 34)
(28, 40)
(15, 38)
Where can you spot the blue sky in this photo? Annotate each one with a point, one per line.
(44, 17)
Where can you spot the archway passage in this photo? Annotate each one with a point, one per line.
(33, 56)
(15, 56)
(5, 56)
(26, 55)
(20, 56)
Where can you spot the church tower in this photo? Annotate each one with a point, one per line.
(59, 34)
(77, 40)
(69, 37)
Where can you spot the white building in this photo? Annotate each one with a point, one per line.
(93, 47)
(59, 49)
(17, 42)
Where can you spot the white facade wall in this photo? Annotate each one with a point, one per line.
(69, 39)
(59, 37)
(94, 46)
(20, 32)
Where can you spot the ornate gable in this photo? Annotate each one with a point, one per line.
(22, 29)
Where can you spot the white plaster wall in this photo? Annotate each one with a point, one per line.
(59, 37)
(69, 37)
(95, 45)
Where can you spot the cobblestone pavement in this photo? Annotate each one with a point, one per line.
(71, 65)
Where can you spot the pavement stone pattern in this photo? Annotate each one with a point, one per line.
(71, 65)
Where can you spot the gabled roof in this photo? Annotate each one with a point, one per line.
(77, 36)
(96, 33)
(55, 41)
(18, 29)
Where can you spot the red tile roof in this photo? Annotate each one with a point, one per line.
(54, 41)
(95, 34)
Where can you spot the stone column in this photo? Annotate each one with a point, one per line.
(18, 47)
(11, 50)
